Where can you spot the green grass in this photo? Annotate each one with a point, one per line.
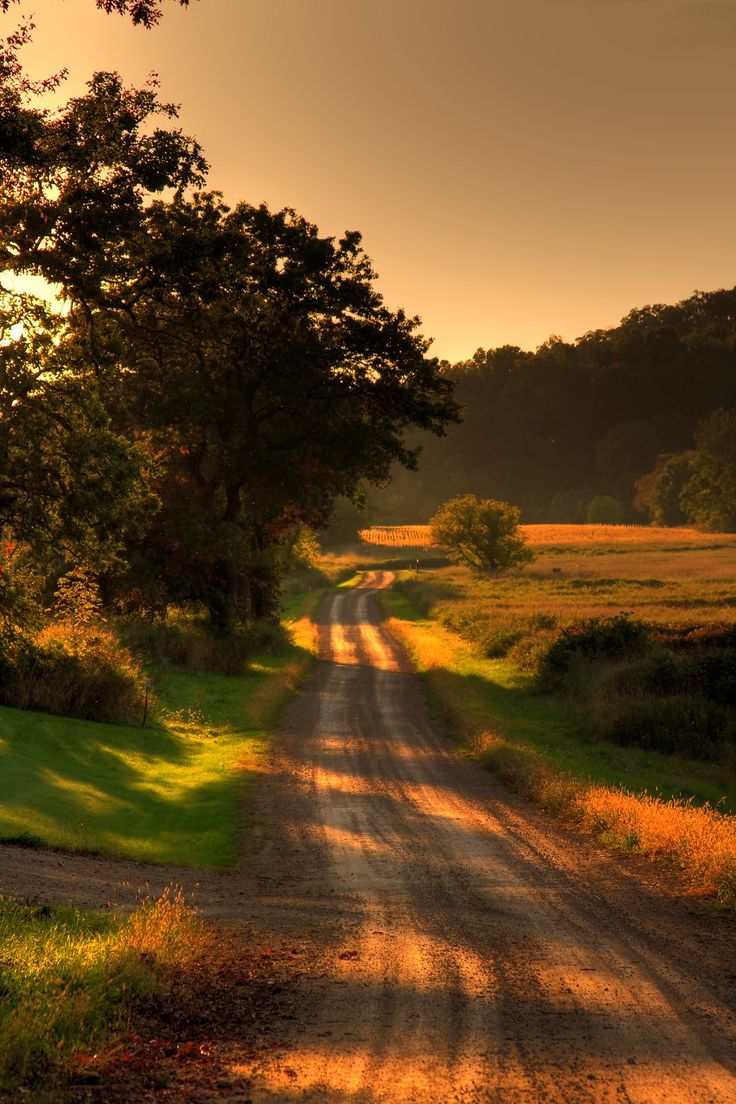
(70, 976)
(166, 793)
(476, 694)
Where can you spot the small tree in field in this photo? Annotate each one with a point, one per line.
(482, 533)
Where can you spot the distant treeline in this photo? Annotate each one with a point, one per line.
(567, 432)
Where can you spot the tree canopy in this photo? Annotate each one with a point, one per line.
(481, 533)
(145, 13)
(553, 429)
(226, 372)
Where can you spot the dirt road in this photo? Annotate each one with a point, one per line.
(450, 943)
(471, 951)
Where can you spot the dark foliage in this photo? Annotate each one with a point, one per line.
(592, 641)
(222, 375)
(671, 690)
(555, 429)
(144, 13)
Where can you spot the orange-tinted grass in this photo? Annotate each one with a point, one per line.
(698, 840)
(72, 978)
(418, 536)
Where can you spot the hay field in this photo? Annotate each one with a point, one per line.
(562, 536)
(397, 536)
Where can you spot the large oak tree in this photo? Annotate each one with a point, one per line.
(254, 359)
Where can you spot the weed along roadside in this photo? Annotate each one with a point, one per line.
(652, 789)
(73, 977)
(94, 999)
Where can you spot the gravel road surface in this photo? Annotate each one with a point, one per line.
(450, 942)
(471, 950)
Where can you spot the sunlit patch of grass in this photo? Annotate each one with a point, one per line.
(69, 977)
(658, 805)
(352, 581)
(699, 840)
(166, 793)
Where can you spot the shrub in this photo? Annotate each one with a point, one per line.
(491, 640)
(529, 652)
(66, 671)
(653, 674)
(188, 644)
(715, 674)
(677, 725)
(591, 641)
(707, 674)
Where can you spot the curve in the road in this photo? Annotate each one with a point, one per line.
(481, 955)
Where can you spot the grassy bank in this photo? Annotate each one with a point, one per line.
(72, 977)
(632, 798)
(479, 694)
(164, 793)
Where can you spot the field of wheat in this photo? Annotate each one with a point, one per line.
(397, 536)
(568, 536)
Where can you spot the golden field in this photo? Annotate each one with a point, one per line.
(397, 536)
(479, 638)
(418, 536)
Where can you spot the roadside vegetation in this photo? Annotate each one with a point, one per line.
(70, 978)
(78, 987)
(599, 681)
(169, 792)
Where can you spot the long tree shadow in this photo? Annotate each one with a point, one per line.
(168, 792)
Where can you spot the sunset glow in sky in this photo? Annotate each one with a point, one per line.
(517, 167)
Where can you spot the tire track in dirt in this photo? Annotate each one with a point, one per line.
(467, 955)
(455, 944)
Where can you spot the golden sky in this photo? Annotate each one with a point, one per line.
(517, 167)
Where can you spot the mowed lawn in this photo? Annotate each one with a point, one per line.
(166, 793)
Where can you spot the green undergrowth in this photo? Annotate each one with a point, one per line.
(70, 977)
(477, 694)
(166, 793)
(672, 810)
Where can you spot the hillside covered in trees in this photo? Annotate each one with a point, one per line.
(567, 432)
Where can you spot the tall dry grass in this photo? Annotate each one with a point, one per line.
(70, 978)
(699, 841)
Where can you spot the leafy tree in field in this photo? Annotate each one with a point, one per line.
(709, 496)
(482, 533)
(659, 492)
